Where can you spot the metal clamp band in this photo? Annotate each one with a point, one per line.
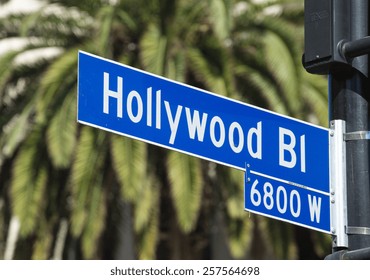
(357, 135)
(358, 230)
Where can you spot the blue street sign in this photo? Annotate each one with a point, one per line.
(143, 106)
(287, 202)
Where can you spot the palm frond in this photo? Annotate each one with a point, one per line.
(94, 223)
(239, 227)
(316, 104)
(59, 25)
(203, 72)
(14, 132)
(278, 56)
(220, 16)
(240, 236)
(106, 18)
(90, 157)
(148, 238)
(61, 133)
(147, 219)
(127, 20)
(265, 88)
(10, 25)
(186, 188)
(6, 70)
(129, 161)
(89, 6)
(153, 50)
(44, 241)
(176, 67)
(58, 81)
(145, 203)
(28, 185)
(234, 187)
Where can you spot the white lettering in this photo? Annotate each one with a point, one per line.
(218, 143)
(303, 153)
(257, 133)
(268, 199)
(315, 208)
(284, 147)
(281, 190)
(287, 154)
(295, 212)
(239, 147)
(174, 123)
(114, 94)
(194, 124)
(149, 106)
(134, 94)
(158, 110)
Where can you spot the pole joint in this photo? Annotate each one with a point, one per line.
(354, 48)
(360, 254)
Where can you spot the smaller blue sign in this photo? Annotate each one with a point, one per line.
(288, 202)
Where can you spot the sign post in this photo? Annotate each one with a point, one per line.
(342, 54)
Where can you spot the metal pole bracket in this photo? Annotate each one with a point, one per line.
(338, 183)
(357, 135)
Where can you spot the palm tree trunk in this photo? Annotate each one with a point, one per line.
(125, 249)
(61, 239)
(12, 238)
(220, 250)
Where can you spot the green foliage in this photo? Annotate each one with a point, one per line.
(85, 181)
(14, 133)
(248, 50)
(239, 227)
(61, 133)
(278, 54)
(43, 244)
(6, 70)
(147, 219)
(220, 16)
(148, 238)
(58, 81)
(186, 188)
(29, 184)
(205, 74)
(94, 220)
(153, 54)
(130, 163)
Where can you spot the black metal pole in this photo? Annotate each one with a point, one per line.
(348, 100)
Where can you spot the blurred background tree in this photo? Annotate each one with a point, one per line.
(72, 192)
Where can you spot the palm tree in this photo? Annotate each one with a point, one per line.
(167, 203)
(281, 83)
